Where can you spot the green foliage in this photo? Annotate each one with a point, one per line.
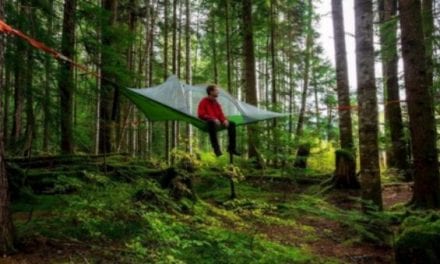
(371, 227)
(185, 160)
(65, 184)
(419, 239)
(347, 154)
(240, 205)
(233, 172)
(322, 159)
(420, 231)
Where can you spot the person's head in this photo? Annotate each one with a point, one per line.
(212, 90)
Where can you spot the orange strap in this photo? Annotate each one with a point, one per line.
(5, 28)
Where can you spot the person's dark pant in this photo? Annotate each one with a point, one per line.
(212, 130)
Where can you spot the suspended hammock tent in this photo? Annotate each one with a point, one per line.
(176, 101)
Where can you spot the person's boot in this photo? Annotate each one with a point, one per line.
(234, 152)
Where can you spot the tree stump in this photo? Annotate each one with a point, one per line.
(302, 155)
(179, 184)
(344, 176)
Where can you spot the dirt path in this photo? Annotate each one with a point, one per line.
(327, 238)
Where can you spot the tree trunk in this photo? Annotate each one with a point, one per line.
(367, 100)
(175, 124)
(179, 45)
(106, 95)
(65, 81)
(6, 226)
(6, 96)
(317, 113)
(188, 66)
(228, 47)
(273, 23)
(428, 31)
(301, 156)
(48, 69)
(165, 69)
(393, 114)
(420, 107)
(18, 89)
(345, 170)
(306, 72)
(214, 46)
(249, 71)
(30, 117)
(344, 110)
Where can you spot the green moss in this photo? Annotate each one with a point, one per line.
(420, 232)
(347, 154)
(419, 242)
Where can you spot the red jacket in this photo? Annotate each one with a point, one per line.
(210, 109)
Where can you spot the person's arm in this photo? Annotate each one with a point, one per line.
(221, 116)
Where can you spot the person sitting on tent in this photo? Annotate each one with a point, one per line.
(211, 111)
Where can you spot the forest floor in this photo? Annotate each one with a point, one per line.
(269, 222)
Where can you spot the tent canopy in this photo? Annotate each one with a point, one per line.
(176, 101)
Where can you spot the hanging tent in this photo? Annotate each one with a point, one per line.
(176, 101)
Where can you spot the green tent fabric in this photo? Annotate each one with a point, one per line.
(176, 101)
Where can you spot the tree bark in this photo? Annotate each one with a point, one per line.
(420, 107)
(367, 101)
(343, 91)
(106, 89)
(306, 73)
(344, 176)
(30, 116)
(249, 71)
(301, 156)
(65, 82)
(6, 227)
(18, 88)
(174, 70)
(393, 113)
(273, 23)
(165, 69)
(48, 68)
(214, 45)
(428, 31)
(188, 74)
(228, 46)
